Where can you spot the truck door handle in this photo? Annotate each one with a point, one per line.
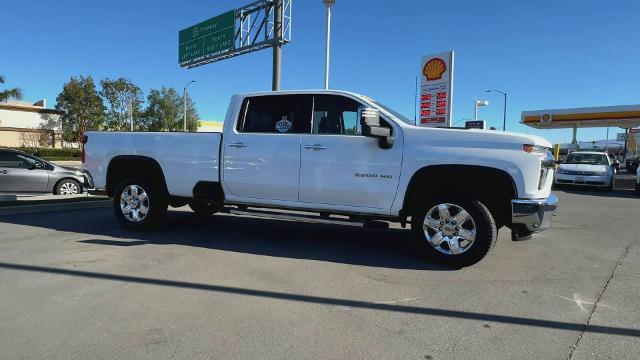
(4, 171)
(237, 145)
(315, 147)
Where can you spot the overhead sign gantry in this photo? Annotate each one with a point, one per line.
(259, 25)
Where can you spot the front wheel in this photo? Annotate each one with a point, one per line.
(68, 187)
(454, 231)
(138, 205)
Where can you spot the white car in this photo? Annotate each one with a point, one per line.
(331, 154)
(586, 168)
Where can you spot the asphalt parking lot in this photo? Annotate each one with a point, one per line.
(74, 285)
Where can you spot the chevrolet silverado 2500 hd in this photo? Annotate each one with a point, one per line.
(341, 155)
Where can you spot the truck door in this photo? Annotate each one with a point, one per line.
(341, 167)
(262, 154)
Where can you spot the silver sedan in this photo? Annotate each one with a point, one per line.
(24, 173)
(586, 168)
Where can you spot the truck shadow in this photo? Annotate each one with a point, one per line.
(390, 248)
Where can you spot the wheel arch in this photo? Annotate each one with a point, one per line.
(494, 186)
(125, 166)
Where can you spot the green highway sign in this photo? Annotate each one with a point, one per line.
(206, 38)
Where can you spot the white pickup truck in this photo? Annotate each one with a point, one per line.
(334, 156)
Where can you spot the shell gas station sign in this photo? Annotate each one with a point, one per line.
(436, 89)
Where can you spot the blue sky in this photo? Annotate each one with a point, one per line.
(545, 54)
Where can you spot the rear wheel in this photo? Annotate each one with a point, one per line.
(138, 204)
(453, 230)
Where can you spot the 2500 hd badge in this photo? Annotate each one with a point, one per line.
(382, 176)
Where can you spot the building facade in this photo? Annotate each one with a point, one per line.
(25, 124)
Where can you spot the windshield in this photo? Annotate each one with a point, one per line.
(586, 159)
(394, 113)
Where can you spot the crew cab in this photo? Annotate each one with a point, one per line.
(334, 156)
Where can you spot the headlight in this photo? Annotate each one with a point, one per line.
(534, 149)
(602, 173)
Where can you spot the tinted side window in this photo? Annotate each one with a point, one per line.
(13, 160)
(335, 114)
(286, 114)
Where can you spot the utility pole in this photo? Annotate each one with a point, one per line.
(277, 47)
(184, 98)
(328, 4)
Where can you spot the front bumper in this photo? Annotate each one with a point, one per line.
(589, 180)
(87, 180)
(534, 214)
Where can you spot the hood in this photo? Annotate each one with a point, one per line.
(68, 169)
(486, 138)
(584, 167)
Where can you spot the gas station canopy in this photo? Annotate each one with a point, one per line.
(623, 116)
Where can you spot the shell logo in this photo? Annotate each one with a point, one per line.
(434, 68)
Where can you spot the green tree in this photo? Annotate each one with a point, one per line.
(15, 93)
(165, 112)
(119, 95)
(83, 107)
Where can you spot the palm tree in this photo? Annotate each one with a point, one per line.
(15, 93)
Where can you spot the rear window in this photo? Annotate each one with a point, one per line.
(278, 114)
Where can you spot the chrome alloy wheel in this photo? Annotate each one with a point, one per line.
(449, 229)
(134, 203)
(68, 188)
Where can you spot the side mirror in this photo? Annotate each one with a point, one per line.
(37, 165)
(370, 120)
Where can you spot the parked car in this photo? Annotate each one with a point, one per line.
(24, 173)
(334, 152)
(586, 168)
(638, 181)
(632, 164)
(614, 161)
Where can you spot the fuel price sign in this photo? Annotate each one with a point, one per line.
(436, 87)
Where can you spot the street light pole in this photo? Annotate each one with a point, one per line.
(184, 98)
(477, 103)
(328, 4)
(504, 113)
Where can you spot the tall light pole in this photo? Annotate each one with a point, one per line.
(130, 111)
(477, 103)
(328, 4)
(504, 112)
(184, 98)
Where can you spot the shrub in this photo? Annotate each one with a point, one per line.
(52, 153)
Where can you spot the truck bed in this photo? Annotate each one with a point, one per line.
(185, 158)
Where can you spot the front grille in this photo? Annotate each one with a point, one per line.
(586, 173)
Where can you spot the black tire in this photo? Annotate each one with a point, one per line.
(156, 204)
(204, 208)
(486, 233)
(66, 186)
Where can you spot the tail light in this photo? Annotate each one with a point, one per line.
(84, 140)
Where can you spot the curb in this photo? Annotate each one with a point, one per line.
(39, 208)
